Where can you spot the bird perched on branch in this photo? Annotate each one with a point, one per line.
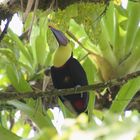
(67, 72)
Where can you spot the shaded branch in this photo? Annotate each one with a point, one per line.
(4, 96)
(14, 6)
(6, 27)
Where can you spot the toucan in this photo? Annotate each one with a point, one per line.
(67, 72)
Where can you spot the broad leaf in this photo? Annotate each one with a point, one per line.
(20, 46)
(125, 95)
(7, 134)
(35, 115)
(17, 79)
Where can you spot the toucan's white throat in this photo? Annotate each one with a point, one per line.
(61, 56)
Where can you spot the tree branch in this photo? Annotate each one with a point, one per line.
(6, 27)
(4, 96)
(14, 6)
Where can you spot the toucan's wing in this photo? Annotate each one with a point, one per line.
(77, 72)
(78, 75)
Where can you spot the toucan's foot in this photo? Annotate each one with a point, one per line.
(77, 86)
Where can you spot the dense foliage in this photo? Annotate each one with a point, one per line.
(109, 48)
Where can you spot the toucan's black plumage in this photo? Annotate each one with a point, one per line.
(68, 75)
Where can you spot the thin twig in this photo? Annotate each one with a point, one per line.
(103, 12)
(85, 56)
(95, 56)
(6, 27)
(35, 8)
(28, 9)
(76, 40)
(4, 96)
(22, 9)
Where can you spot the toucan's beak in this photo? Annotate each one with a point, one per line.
(61, 38)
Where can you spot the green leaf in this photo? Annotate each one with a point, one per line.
(66, 112)
(26, 130)
(91, 75)
(7, 134)
(80, 34)
(3, 79)
(106, 45)
(4, 118)
(33, 37)
(17, 79)
(35, 115)
(136, 41)
(130, 64)
(132, 25)
(28, 21)
(41, 41)
(125, 95)
(119, 41)
(48, 61)
(41, 52)
(20, 46)
(9, 54)
(108, 23)
(50, 133)
(98, 113)
(91, 104)
(112, 31)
